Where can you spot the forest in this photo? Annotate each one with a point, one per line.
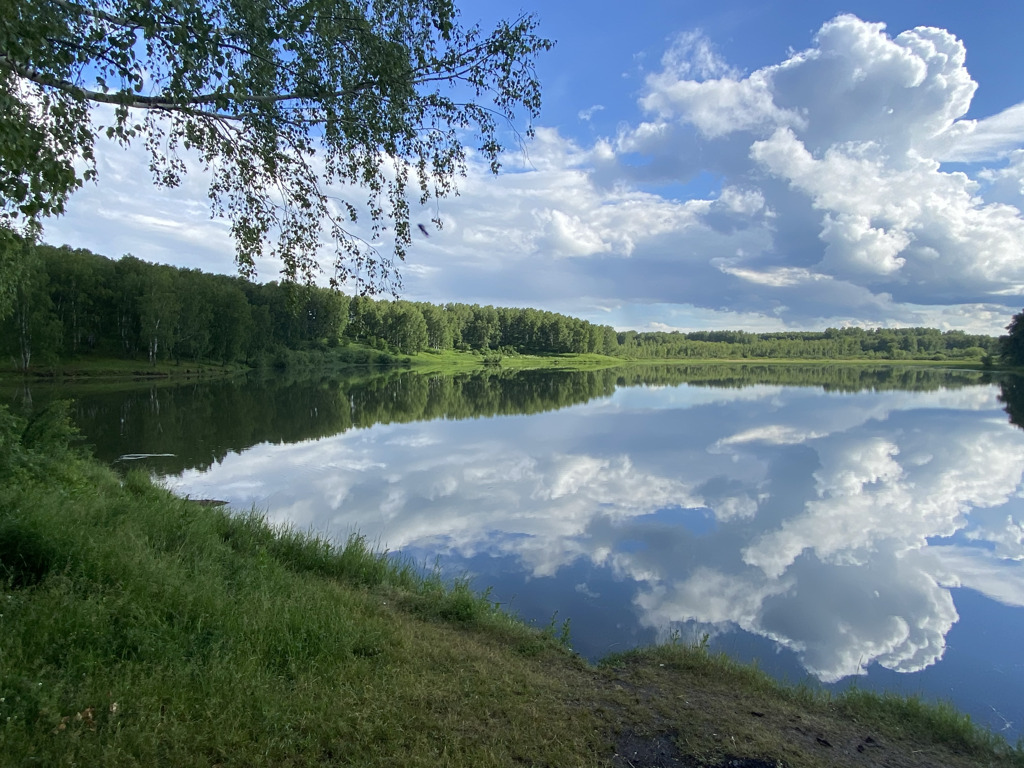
(73, 303)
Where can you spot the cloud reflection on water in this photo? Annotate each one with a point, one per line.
(833, 524)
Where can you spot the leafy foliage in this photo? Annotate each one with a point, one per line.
(1011, 346)
(282, 102)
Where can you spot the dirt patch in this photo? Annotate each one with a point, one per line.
(660, 714)
(634, 749)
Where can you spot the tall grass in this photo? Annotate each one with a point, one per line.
(137, 628)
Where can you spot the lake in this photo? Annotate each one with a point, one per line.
(836, 524)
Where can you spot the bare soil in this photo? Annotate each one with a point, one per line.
(664, 717)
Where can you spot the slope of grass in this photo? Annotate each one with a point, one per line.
(141, 629)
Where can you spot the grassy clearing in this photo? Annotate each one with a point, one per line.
(451, 361)
(184, 637)
(137, 628)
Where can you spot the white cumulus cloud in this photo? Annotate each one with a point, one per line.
(813, 191)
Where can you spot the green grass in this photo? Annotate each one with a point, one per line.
(141, 629)
(459, 361)
(137, 628)
(939, 721)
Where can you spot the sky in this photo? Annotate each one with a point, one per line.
(789, 165)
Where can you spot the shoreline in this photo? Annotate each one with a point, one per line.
(141, 626)
(430, 362)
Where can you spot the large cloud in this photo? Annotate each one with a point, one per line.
(816, 191)
(844, 144)
(833, 204)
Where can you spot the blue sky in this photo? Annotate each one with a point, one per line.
(773, 165)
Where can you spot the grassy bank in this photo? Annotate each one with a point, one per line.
(137, 628)
(451, 361)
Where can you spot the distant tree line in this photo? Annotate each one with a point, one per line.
(71, 302)
(830, 377)
(832, 343)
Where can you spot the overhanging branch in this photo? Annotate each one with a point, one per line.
(167, 103)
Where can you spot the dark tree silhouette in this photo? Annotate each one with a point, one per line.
(1011, 346)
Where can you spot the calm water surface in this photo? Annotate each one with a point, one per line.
(834, 524)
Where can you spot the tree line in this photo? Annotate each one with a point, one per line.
(832, 343)
(71, 302)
